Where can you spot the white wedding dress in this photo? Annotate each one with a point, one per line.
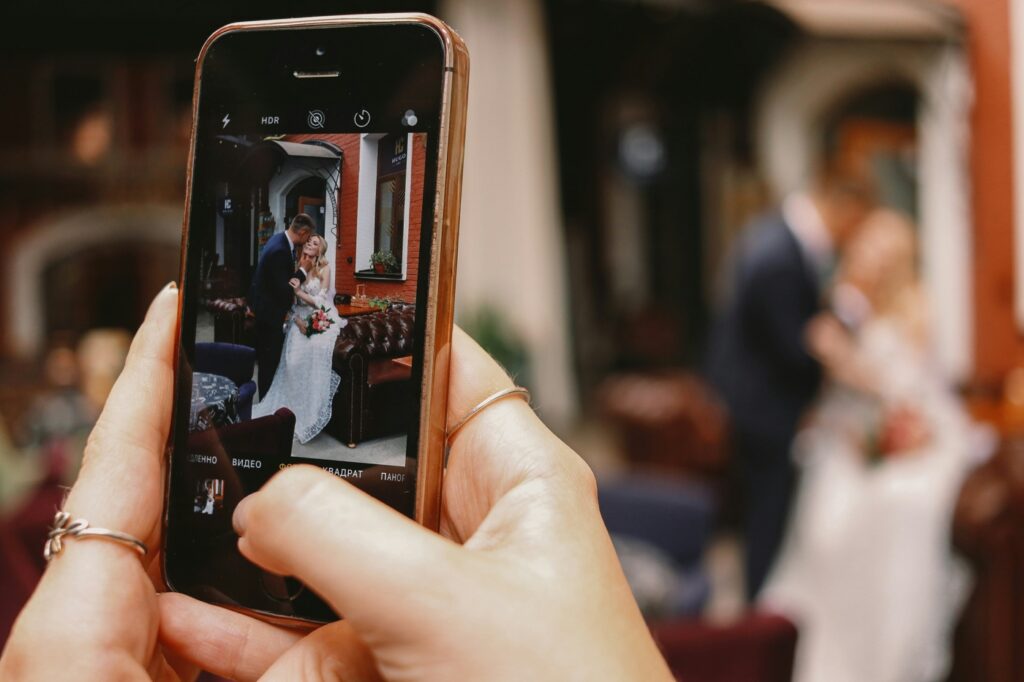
(305, 382)
(867, 571)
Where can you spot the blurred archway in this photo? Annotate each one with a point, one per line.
(105, 285)
(127, 252)
(902, 102)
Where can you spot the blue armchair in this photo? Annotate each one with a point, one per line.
(234, 361)
(675, 518)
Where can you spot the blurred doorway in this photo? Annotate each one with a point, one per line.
(679, 122)
(874, 130)
(107, 285)
(656, 103)
(123, 253)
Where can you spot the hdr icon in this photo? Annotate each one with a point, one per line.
(270, 120)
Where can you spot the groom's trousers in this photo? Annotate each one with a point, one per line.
(768, 481)
(269, 341)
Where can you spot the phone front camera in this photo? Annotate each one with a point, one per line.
(321, 51)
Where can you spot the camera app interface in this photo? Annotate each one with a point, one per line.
(304, 299)
(306, 318)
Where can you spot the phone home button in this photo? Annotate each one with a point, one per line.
(280, 588)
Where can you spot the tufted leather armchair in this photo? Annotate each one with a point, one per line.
(231, 323)
(376, 395)
(988, 529)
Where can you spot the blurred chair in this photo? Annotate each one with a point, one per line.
(234, 361)
(988, 528)
(673, 516)
(669, 422)
(758, 648)
(22, 533)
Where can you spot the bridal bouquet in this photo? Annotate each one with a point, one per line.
(902, 430)
(319, 322)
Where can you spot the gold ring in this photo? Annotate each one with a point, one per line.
(487, 402)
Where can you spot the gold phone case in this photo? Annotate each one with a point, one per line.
(441, 285)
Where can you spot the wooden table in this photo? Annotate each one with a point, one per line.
(353, 310)
(405, 361)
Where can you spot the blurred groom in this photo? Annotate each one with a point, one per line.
(271, 296)
(757, 358)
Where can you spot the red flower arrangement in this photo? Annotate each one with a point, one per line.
(902, 430)
(319, 322)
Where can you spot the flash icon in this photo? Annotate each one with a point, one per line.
(225, 121)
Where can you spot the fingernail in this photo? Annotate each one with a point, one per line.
(238, 518)
(172, 286)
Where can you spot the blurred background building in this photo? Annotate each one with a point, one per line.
(616, 149)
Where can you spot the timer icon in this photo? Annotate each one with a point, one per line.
(362, 118)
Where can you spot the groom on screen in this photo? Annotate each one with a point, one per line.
(271, 296)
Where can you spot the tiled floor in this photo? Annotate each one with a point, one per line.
(388, 451)
(723, 560)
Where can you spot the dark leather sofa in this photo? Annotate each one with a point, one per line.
(988, 530)
(376, 396)
(231, 324)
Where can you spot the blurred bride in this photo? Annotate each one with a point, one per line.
(867, 571)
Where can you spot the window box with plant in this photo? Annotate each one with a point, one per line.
(384, 262)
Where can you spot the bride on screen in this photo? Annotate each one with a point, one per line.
(305, 383)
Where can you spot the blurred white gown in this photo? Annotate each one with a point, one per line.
(867, 571)
(305, 382)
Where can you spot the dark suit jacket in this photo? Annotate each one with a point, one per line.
(757, 358)
(270, 295)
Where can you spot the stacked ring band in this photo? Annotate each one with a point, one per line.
(487, 402)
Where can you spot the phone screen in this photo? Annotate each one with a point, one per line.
(307, 262)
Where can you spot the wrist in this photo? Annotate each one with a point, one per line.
(97, 594)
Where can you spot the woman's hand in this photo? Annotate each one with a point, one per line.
(828, 340)
(523, 583)
(294, 283)
(94, 613)
(837, 351)
(305, 298)
(301, 324)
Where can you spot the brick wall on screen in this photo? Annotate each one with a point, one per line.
(348, 195)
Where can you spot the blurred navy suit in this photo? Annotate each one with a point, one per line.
(758, 362)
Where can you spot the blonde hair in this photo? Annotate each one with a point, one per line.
(888, 240)
(895, 246)
(320, 262)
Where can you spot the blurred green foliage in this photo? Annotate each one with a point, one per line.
(495, 334)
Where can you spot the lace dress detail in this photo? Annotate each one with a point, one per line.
(305, 382)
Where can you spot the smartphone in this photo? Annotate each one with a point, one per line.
(318, 265)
